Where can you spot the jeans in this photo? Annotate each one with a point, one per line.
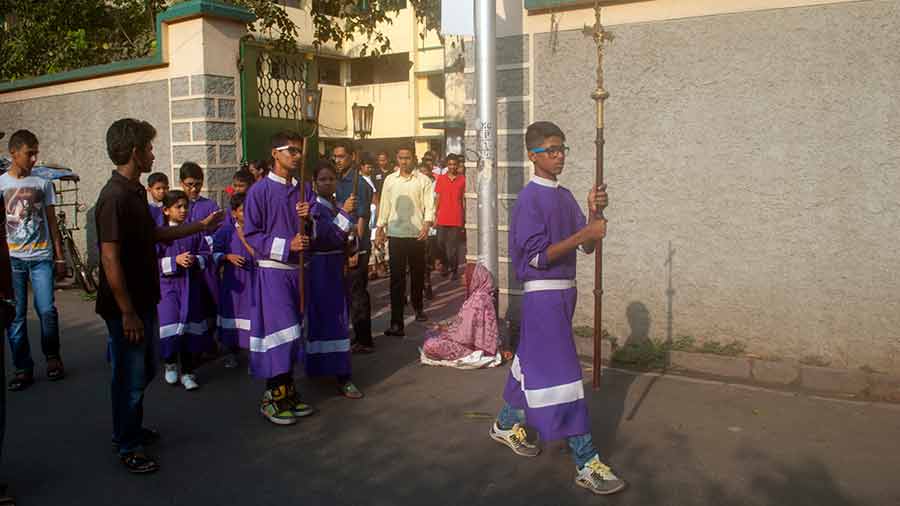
(133, 368)
(360, 303)
(450, 239)
(40, 273)
(582, 446)
(406, 252)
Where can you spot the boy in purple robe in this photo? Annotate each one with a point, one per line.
(327, 311)
(231, 251)
(158, 185)
(191, 176)
(272, 213)
(545, 381)
(183, 330)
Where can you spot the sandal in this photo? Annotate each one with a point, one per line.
(362, 349)
(21, 381)
(55, 369)
(350, 391)
(138, 463)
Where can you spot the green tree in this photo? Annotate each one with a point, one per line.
(47, 36)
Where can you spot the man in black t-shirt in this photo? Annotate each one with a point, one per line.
(129, 283)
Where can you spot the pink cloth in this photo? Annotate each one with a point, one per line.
(474, 328)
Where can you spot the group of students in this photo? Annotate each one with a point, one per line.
(241, 283)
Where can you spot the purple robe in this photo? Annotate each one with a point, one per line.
(235, 289)
(200, 209)
(157, 214)
(182, 310)
(327, 312)
(546, 378)
(270, 223)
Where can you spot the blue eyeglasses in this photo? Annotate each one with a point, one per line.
(552, 151)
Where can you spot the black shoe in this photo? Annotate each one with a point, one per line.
(138, 463)
(395, 330)
(148, 437)
(21, 381)
(421, 316)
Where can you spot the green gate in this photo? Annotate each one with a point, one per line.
(271, 82)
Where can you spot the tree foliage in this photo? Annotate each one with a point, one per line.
(47, 36)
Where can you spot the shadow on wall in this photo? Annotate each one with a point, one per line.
(639, 321)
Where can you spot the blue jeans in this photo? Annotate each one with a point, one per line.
(133, 368)
(582, 446)
(40, 273)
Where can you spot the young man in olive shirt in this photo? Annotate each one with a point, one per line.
(129, 283)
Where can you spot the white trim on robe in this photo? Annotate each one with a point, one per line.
(332, 346)
(284, 336)
(550, 396)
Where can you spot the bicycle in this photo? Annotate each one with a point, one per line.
(82, 274)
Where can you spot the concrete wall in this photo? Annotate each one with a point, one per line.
(763, 146)
(72, 130)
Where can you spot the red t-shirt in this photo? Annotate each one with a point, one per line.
(451, 196)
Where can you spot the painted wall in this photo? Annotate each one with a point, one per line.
(763, 146)
(72, 128)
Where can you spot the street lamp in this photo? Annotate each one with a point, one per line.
(362, 119)
(310, 103)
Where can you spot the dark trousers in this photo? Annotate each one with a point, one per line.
(133, 368)
(450, 239)
(2, 386)
(406, 252)
(360, 303)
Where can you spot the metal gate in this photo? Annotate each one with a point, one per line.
(271, 82)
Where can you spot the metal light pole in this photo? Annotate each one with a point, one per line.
(363, 115)
(599, 95)
(310, 102)
(485, 70)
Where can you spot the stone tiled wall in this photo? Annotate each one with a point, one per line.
(760, 147)
(205, 128)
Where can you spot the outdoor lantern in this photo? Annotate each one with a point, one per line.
(362, 119)
(310, 101)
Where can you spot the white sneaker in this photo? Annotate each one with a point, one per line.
(230, 361)
(189, 382)
(172, 374)
(516, 439)
(598, 478)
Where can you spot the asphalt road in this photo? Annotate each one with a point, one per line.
(420, 438)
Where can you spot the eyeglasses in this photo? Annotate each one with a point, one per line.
(552, 151)
(195, 184)
(292, 150)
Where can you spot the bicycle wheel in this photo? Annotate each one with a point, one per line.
(82, 275)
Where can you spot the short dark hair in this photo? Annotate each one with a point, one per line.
(157, 177)
(243, 176)
(190, 169)
(285, 137)
(539, 131)
(262, 163)
(429, 154)
(324, 164)
(237, 200)
(366, 158)
(126, 135)
(455, 157)
(172, 197)
(21, 138)
(407, 147)
(348, 147)
(385, 153)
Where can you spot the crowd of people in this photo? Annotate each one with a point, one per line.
(282, 273)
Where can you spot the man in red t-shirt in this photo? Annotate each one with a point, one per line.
(451, 213)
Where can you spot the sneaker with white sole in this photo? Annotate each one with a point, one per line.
(599, 478)
(299, 408)
(230, 361)
(172, 374)
(189, 382)
(275, 406)
(516, 439)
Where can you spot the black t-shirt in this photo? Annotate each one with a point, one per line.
(122, 215)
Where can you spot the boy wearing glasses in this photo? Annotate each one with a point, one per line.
(545, 381)
(272, 212)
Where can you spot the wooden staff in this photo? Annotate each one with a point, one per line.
(599, 95)
(302, 274)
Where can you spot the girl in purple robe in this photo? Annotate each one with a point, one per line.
(183, 329)
(328, 339)
(272, 213)
(545, 381)
(231, 251)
